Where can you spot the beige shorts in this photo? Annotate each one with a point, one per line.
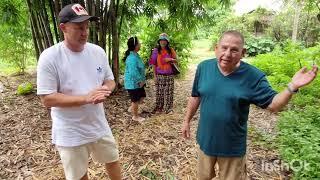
(75, 159)
(222, 168)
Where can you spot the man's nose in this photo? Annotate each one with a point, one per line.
(228, 53)
(85, 32)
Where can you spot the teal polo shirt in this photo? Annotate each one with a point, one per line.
(224, 106)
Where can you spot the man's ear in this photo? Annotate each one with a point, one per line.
(244, 51)
(62, 27)
(216, 49)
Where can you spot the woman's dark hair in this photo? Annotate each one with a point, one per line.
(167, 47)
(132, 43)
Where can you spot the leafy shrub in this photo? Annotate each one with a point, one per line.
(300, 100)
(25, 88)
(289, 46)
(277, 64)
(16, 42)
(148, 174)
(299, 137)
(259, 45)
(279, 82)
(299, 128)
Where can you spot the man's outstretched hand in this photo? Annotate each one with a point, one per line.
(303, 77)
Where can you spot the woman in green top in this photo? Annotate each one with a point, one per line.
(134, 77)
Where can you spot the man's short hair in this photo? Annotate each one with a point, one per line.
(232, 33)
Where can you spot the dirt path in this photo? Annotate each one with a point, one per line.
(151, 150)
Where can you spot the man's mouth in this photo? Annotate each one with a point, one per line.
(225, 61)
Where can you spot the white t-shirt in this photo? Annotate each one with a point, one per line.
(74, 73)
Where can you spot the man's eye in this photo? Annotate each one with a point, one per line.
(234, 50)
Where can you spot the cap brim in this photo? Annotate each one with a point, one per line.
(84, 18)
(163, 39)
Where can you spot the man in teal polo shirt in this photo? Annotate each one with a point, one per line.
(224, 88)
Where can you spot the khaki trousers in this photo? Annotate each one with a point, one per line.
(221, 168)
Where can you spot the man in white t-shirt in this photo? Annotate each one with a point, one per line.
(73, 79)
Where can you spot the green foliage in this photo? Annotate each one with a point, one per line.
(299, 136)
(25, 88)
(179, 19)
(229, 22)
(279, 81)
(308, 95)
(299, 128)
(6, 68)
(281, 66)
(302, 101)
(169, 176)
(275, 64)
(280, 27)
(148, 174)
(16, 45)
(215, 14)
(289, 46)
(201, 50)
(246, 24)
(259, 45)
(277, 26)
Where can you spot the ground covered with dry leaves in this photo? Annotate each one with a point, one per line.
(153, 149)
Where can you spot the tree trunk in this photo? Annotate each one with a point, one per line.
(102, 34)
(305, 32)
(105, 28)
(89, 10)
(115, 42)
(97, 24)
(53, 18)
(82, 2)
(94, 24)
(35, 24)
(46, 23)
(34, 27)
(121, 17)
(44, 32)
(296, 22)
(57, 8)
(117, 8)
(34, 39)
(64, 3)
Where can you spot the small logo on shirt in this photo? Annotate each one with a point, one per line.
(99, 69)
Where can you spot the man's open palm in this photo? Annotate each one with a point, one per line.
(304, 77)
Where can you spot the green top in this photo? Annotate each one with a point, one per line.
(224, 106)
(134, 71)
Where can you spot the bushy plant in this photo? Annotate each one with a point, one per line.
(299, 137)
(230, 22)
(16, 42)
(277, 64)
(259, 45)
(299, 127)
(25, 88)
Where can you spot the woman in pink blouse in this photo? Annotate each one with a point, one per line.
(161, 59)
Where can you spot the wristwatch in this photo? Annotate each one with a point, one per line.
(291, 90)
